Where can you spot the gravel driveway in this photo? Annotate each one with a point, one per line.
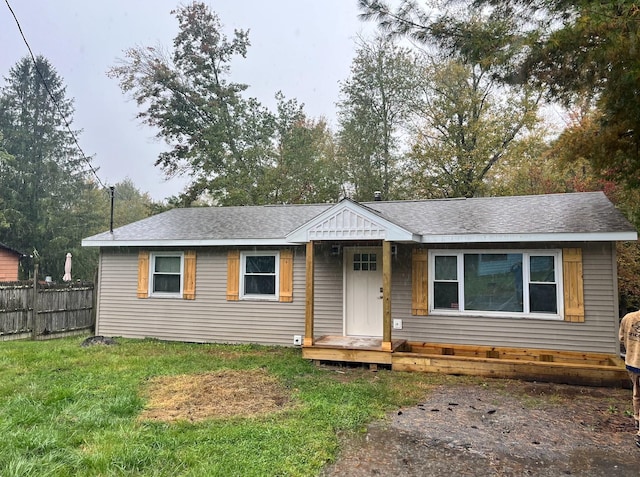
(501, 428)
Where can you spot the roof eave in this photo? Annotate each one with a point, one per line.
(538, 237)
(187, 243)
(434, 239)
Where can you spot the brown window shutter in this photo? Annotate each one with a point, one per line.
(419, 282)
(573, 285)
(189, 287)
(143, 274)
(233, 275)
(286, 275)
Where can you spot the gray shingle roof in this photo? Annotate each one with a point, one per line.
(585, 213)
(217, 223)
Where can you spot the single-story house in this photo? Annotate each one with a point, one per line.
(9, 263)
(528, 278)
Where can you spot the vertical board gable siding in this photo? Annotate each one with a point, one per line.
(596, 334)
(209, 318)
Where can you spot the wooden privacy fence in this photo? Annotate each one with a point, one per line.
(54, 311)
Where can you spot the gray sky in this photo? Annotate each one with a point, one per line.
(301, 47)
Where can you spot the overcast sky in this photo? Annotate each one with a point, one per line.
(300, 47)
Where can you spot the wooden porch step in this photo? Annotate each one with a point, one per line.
(351, 349)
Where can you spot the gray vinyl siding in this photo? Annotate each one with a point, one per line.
(597, 334)
(208, 318)
(211, 318)
(328, 292)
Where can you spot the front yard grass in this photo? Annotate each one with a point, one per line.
(66, 410)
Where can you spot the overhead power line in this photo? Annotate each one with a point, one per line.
(55, 102)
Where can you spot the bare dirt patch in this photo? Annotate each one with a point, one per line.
(502, 428)
(228, 393)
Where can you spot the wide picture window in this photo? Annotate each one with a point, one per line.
(166, 275)
(496, 283)
(259, 276)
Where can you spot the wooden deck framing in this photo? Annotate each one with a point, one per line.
(567, 367)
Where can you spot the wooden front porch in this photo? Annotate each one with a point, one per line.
(566, 367)
(352, 350)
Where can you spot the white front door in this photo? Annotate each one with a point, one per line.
(363, 291)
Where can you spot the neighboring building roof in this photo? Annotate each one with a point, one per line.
(12, 250)
(554, 217)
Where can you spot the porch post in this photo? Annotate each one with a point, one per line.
(309, 300)
(386, 296)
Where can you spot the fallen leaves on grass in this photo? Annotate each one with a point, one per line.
(194, 397)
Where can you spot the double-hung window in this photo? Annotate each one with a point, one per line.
(496, 283)
(166, 274)
(259, 275)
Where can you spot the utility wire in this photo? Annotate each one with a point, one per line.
(55, 102)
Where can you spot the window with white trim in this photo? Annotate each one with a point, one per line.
(259, 275)
(496, 282)
(166, 278)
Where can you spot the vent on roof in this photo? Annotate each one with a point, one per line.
(377, 196)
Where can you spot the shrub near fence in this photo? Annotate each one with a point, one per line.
(60, 310)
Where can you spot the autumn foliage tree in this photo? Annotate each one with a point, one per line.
(577, 51)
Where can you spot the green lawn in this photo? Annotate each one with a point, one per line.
(72, 411)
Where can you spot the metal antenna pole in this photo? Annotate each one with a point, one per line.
(111, 194)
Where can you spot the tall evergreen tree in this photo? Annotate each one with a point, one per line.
(41, 184)
(6, 164)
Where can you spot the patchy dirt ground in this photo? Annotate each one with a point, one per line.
(508, 428)
(499, 428)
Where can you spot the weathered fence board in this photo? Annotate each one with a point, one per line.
(60, 309)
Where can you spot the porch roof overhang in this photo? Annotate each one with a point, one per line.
(350, 221)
